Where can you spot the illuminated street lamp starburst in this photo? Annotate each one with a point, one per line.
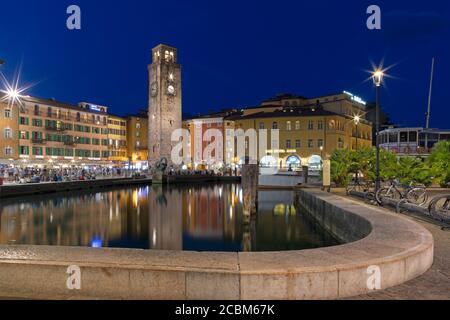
(12, 92)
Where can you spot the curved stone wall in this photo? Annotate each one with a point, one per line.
(394, 248)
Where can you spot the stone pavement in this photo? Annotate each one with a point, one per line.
(435, 283)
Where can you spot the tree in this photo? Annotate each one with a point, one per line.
(340, 167)
(439, 163)
(413, 170)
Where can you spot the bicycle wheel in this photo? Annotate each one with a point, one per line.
(417, 196)
(349, 189)
(387, 193)
(440, 208)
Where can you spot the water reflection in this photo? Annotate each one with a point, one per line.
(202, 218)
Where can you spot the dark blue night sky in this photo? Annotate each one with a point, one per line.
(234, 53)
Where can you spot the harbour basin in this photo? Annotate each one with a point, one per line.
(191, 218)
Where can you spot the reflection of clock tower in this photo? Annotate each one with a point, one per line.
(164, 102)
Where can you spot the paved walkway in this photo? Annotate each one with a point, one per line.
(435, 283)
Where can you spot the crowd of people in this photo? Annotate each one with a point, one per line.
(37, 175)
(23, 175)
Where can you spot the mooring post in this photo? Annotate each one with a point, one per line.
(249, 182)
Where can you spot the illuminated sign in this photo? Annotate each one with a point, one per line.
(355, 98)
(95, 108)
(281, 151)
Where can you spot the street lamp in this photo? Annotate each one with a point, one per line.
(377, 77)
(357, 120)
(321, 156)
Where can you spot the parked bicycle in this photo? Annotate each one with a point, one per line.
(439, 208)
(360, 186)
(415, 194)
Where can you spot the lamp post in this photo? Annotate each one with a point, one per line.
(377, 77)
(357, 120)
(321, 157)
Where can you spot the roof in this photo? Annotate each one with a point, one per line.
(284, 113)
(59, 104)
(421, 129)
(285, 96)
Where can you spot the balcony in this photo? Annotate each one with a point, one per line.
(38, 141)
(53, 128)
(69, 143)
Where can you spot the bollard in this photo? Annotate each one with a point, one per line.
(250, 176)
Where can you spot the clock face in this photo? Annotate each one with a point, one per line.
(171, 90)
(154, 89)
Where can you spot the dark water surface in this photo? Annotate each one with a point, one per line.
(194, 218)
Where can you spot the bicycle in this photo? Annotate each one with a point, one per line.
(439, 208)
(360, 187)
(415, 194)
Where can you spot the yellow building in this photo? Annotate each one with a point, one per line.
(117, 139)
(309, 130)
(9, 126)
(137, 139)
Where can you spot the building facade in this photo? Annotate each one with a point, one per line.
(9, 126)
(412, 141)
(164, 102)
(307, 131)
(117, 139)
(137, 139)
(51, 131)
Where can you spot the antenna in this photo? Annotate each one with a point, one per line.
(429, 95)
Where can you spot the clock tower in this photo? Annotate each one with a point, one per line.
(164, 112)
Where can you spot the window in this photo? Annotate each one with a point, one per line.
(49, 111)
(23, 121)
(310, 143)
(403, 136)
(393, 137)
(24, 135)
(320, 143)
(8, 113)
(340, 143)
(138, 125)
(297, 125)
(261, 125)
(298, 144)
(275, 125)
(38, 151)
(8, 133)
(310, 125)
(288, 126)
(288, 144)
(24, 150)
(320, 125)
(413, 136)
(36, 123)
(8, 151)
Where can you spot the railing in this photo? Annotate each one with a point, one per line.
(69, 143)
(38, 140)
(53, 128)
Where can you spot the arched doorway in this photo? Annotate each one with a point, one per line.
(268, 162)
(293, 162)
(315, 163)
